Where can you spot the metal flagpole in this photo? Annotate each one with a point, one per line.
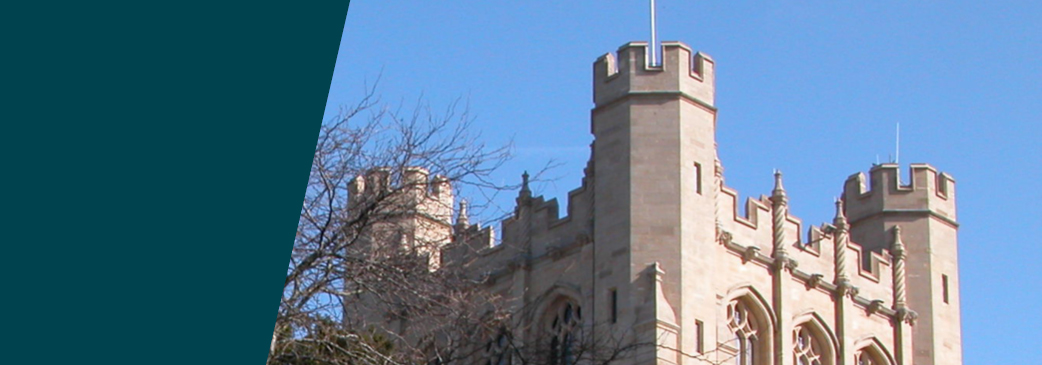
(897, 146)
(653, 47)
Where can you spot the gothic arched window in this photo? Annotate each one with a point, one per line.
(564, 330)
(868, 356)
(806, 347)
(861, 358)
(742, 323)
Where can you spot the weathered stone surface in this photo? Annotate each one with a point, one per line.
(654, 224)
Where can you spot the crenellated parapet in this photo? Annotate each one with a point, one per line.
(656, 248)
(883, 228)
(536, 227)
(825, 249)
(411, 190)
(755, 227)
(827, 260)
(754, 208)
(406, 206)
(469, 241)
(626, 73)
(928, 191)
(917, 224)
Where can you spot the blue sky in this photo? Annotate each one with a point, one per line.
(813, 88)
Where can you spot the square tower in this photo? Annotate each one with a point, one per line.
(654, 152)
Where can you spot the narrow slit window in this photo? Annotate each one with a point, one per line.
(944, 288)
(614, 297)
(698, 178)
(699, 328)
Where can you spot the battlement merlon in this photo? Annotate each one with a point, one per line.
(929, 191)
(412, 188)
(682, 71)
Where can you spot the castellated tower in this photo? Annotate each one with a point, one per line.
(654, 152)
(924, 209)
(654, 254)
(415, 212)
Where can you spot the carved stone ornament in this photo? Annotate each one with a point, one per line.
(723, 237)
(814, 281)
(907, 315)
(783, 262)
(845, 288)
(875, 306)
(749, 254)
(791, 264)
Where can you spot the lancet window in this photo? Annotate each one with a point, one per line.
(742, 323)
(565, 326)
(868, 357)
(806, 347)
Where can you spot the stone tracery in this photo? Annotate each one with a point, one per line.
(742, 323)
(869, 356)
(806, 347)
(564, 329)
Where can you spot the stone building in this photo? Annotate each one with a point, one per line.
(653, 248)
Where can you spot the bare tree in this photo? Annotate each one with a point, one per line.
(361, 290)
(347, 265)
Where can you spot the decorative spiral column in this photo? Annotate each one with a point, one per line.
(783, 266)
(841, 237)
(845, 291)
(898, 251)
(905, 317)
(779, 212)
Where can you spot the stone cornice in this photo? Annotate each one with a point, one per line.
(931, 213)
(812, 280)
(665, 93)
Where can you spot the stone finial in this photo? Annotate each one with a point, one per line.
(779, 191)
(840, 221)
(463, 219)
(779, 213)
(898, 247)
(525, 191)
